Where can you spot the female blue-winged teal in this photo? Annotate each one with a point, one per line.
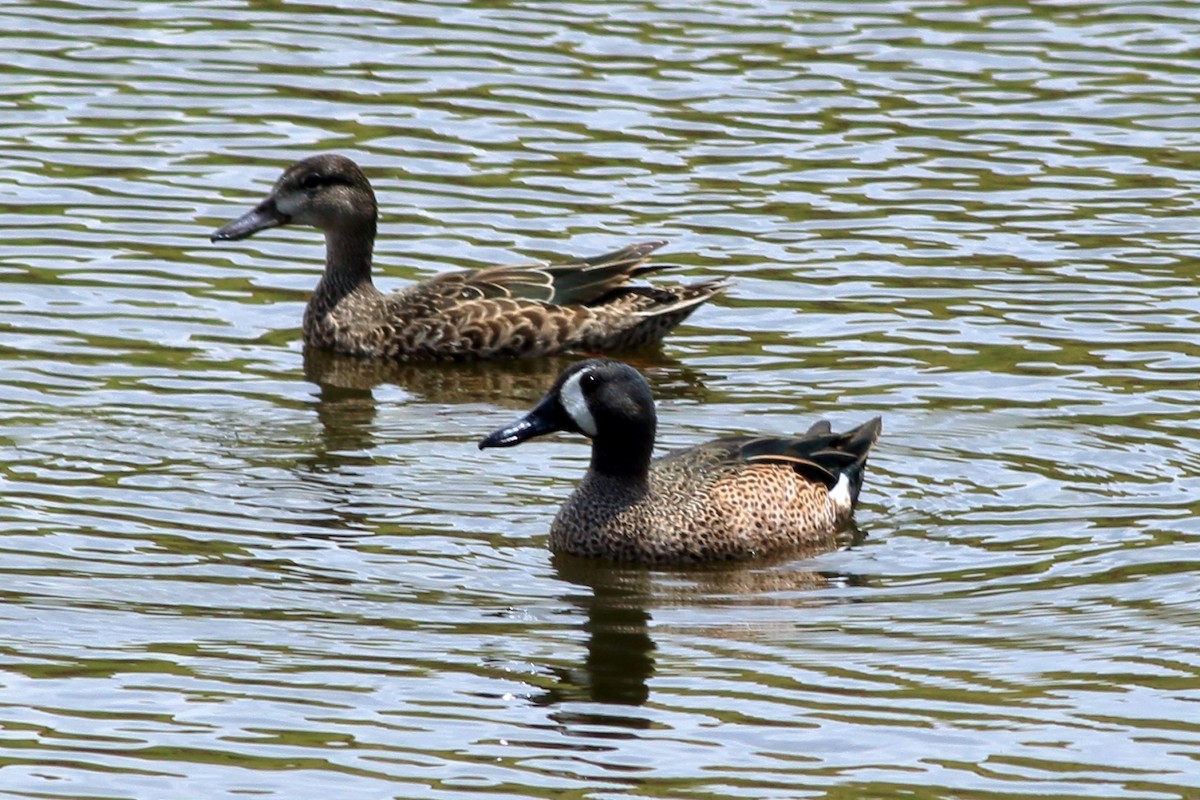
(531, 310)
(734, 498)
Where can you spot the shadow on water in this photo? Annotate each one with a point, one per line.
(616, 604)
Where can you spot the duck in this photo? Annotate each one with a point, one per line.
(589, 305)
(731, 499)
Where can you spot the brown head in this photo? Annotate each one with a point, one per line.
(328, 192)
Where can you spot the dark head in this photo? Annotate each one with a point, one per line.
(326, 191)
(607, 401)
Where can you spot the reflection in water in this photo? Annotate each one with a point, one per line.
(346, 407)
(512, 383)
(975, 218)
(616, 606)
(619, 659)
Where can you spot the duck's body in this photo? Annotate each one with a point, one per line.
(729, 499)
(514, 311)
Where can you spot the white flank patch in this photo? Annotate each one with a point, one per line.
(575, 404)
(840, 493)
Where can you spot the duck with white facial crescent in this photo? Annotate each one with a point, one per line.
(735, 498)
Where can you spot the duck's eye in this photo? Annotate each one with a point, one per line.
(311, 181)
(588, 380)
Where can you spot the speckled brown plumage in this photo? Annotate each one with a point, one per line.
(734, 498)
(511, 311)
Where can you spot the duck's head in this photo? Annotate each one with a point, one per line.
(603, 399)
(326, 191)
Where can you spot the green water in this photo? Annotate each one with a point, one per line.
(230, 568)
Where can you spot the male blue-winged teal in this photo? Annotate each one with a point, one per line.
(532, 310)
(735, 498)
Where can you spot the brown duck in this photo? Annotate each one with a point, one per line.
(735, 498)
(506, 311)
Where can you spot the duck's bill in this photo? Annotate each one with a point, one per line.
(540, 420)
(264, 215)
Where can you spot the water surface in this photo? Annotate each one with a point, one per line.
(233, 568)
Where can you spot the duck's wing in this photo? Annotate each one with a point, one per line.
(581, 282)
(587, 305)
(819, 454)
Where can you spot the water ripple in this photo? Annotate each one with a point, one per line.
(252, 569)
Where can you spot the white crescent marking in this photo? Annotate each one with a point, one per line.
(575, 404)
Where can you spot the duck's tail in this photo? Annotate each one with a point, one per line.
(858, 442)
(638, 316)
(822, 455)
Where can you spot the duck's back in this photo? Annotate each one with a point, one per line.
(503, 312)
(729, 499)
(443, 320)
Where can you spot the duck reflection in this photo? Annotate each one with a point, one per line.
(616, 617)
(616, 607)
(346, 408)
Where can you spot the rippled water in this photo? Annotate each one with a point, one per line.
(231, 568)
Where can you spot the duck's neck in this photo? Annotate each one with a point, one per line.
(624, 456)
(347, 261)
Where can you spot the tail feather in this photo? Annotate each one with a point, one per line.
(819, 428)
(656, 310)
(686, 298)
(859, 442)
